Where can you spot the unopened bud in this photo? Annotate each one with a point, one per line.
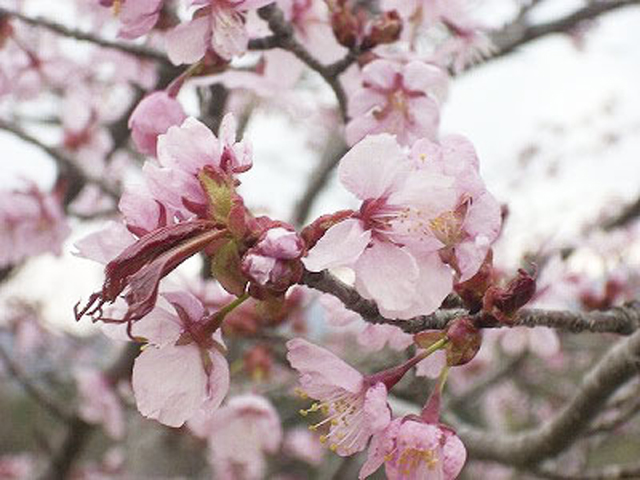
(386, 28)
(465, 341)
(504, 303)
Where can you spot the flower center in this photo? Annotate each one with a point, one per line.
(344, 414)
(412, 460)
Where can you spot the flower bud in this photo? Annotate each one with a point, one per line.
(504, 303)
(464, 341)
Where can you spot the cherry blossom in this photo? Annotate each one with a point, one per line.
(355, 408)
(413, 449)
(396, 98)
(31, 222)
(390, 236)
(240, 434)
(99, 402)
(217, 25)
(270, 261)
(138, 17)
(152, 117)
(182, 370)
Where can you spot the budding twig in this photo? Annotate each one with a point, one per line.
(621, 320)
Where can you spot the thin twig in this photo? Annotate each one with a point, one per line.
(66, 164)
(513, 36)
(283, 37)
(334, 151)
(131, 49)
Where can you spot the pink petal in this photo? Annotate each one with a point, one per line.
(341, 245)
(376, 409)
(454, 455)
(380, 74)
(189, 147)
(424, 77)
(325, 370)
(169, 383)
(373, 167)
(188, 42)
(382, 262)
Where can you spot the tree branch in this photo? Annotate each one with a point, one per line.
(617, 367)
(516, 34)
(131, 49)
(621, 320)
(334, 151)
(31, 389)
(79, 431)
(283, 38)
(66, 165)
(610, 472)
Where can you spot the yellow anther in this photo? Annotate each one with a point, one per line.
(301, 393)
(117, 6)
(304, 413)
(333, 447)
(323, 439)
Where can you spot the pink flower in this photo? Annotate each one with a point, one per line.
(469, 229)
(541, 341)
(302, 444)
(138, 17)
(217, 25)
(273, 261)
(152, 117)
(355, 407)
(31, 222)
(390, 237)
(183, 152)
(413, 449)
(99, 403)
(240, 434)
(396, 98)
(182, 370)
(185, 206)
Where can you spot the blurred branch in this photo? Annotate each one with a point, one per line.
(621, 320)
(618, 365)
(78, 431)
(283, 38)
(627, 215)
(518, 32)
(131, 49)
(39, 396)
(334, 151)
(610, 472)
(485, 383)
(66, 165)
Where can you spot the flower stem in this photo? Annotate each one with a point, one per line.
(217, 318)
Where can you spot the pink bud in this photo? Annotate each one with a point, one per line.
(152, 117)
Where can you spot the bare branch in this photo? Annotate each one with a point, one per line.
(516, 34)
(610, 472)
(40, 397)
(283, 38)
(334, 151)
(131, 49)
(617, 367)
(66, 164)
(627, 215)
(621, 320)
(79, 431)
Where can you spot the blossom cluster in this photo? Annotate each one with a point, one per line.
(423, 226)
